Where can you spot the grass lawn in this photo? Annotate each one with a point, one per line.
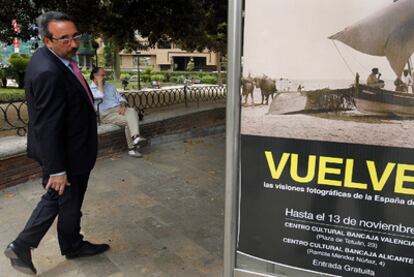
(11, 94)
(10, 90)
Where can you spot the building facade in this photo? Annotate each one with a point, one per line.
(166, 56)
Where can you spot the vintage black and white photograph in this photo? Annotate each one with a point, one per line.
(329, 70)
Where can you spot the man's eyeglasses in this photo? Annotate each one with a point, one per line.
(64, 40)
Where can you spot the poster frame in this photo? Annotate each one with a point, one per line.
(233, 142)
(234, 39)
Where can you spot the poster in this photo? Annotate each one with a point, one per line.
(327, 150)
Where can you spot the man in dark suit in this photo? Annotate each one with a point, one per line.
(62, 137)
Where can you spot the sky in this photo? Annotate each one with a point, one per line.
(288, 39)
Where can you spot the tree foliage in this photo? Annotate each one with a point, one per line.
(196, 24)
(108, 55)
(193, 24)
(22, 10)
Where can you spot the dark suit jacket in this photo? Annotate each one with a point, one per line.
(62, 131)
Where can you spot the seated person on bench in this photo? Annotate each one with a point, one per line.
(114, 109)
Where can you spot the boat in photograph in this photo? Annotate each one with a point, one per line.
(376, 101)
(387, 33)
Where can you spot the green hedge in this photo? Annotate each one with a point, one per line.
(12, 95)
(209, 79)
(177, 77)
(110, 74)
(173, 73)
(125, 76)
(157, 77)
(146, 78)
(187, 74)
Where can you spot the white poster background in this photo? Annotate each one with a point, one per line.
(289, 39)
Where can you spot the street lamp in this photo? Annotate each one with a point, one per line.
(139, 74)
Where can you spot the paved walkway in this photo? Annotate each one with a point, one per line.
(162, 215)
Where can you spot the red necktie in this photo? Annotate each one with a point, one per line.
(79, 76)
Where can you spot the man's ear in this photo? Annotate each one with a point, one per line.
(47, 41)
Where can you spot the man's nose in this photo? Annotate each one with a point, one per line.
(74, 43)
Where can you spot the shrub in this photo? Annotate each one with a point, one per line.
(180, 79)
(209, 79)
(109, 74)
(157, 77)
(86, 73)
(125, 76)
(130, 72)
(167, 76)
(146, 78)
(147, 70)
(19, 62)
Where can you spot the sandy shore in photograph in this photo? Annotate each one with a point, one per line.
(347, 127)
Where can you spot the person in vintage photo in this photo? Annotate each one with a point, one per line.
(374, 80)
(407, 81)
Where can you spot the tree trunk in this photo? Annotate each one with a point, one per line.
(4, 82)
(20, 80)
(218, 62)
(117, 64)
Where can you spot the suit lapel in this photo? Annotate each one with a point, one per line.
(89, 92)
(70, 76)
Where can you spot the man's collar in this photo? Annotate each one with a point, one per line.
(63, 60)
